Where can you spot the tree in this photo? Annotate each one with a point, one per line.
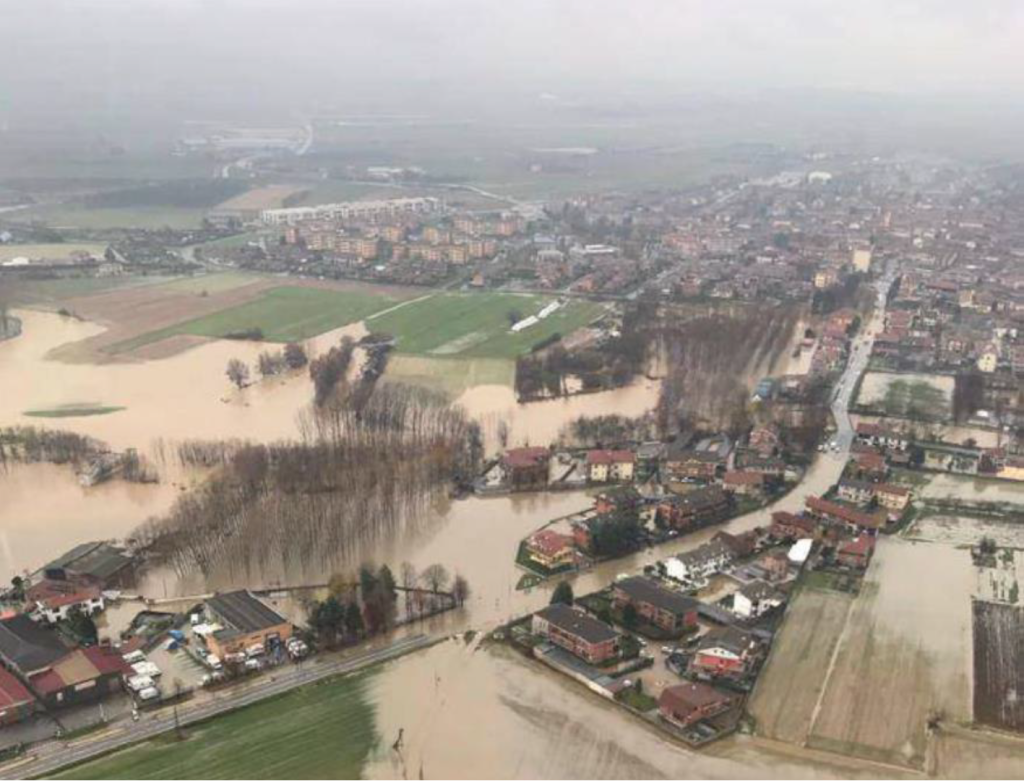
(18, 588)
(436, 577)
(460, 590)
(295, 355)
(327, 619)
(629, 615)
(238, 373)
(82, 626)
(266, 365)
(409, 580)
(562, 595)
(387, 583)
(354, 625)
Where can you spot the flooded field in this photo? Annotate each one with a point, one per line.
(789, 690)
(903, 658)
(965, 531)
(972, 489)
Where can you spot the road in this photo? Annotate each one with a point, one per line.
(46, 758)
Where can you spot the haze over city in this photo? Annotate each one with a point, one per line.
(479, 389)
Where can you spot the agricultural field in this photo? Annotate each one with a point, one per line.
(904, 658)
(105, 217)
(998, 672)
(212, 283)
(964, 531)
(456, 325)
(320, 731)
(269, 197)
(49, 251)
(912, 396)
(791, 684)
(46, 292)
(449, 376)
(282, 314)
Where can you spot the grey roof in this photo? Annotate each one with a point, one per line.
(757, 590)
(99, 560)
(27, 646)
(578, 623)
(244, 612)
(645, 590)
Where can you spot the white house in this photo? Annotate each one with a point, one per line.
(53, 605)
(703, 562)
(755, 599)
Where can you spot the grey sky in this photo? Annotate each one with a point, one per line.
(290, 53)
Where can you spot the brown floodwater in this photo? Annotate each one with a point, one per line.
(44, 512)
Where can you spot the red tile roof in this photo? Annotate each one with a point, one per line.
(610, 457)
(844, 513)
(12, 691)
(525, 456)
(549, 542)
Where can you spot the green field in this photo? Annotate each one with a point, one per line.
(476, 325)
(320, 731)
(450, 376)
(72, 411)
(283, 314)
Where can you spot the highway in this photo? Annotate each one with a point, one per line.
(45, 758)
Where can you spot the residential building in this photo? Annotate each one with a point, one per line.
(727, 652)
(694, 508)
(702, 562)
(856, 553)
(841, 514)
(666, 609)
(743, 482)
(550, 549)
(604, 466)
(245, 621)
(787, 526)
(55, 600)
(577, 632)
(686, 704)
(526, 467)
(755, 599)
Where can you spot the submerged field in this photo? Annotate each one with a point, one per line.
(477, 325)
(280, 314)
(323, 730)
(913, 396)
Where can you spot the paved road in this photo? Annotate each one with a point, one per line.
(48, 757)
(856, 365)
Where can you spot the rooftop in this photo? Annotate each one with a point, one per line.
(645, 590)
(29, 647)
(244, 612)
(575, 622)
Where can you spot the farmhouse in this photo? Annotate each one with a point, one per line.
(660, 606)
(576, 632)
(245, 621)
(688, 703)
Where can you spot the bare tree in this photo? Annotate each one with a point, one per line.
(460, 590)
(409, 584)
(436, 577)
(238, 373)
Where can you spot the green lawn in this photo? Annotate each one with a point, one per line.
(45, 291)
(321, 731)
(476, 325)
(283, 314)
